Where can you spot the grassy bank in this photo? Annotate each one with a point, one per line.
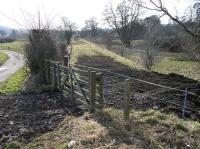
(106, 129)
(85, 48)
(14, 83)
(3, 58)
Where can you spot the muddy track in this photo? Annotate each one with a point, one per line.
(23, 117)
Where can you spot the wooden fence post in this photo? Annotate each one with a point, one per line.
(92, 86)
(55, 77)
(66, 61)
(100, 88)
(48, 73)
(184, 103)
(127, 99)
(72, 85)
(59, 76)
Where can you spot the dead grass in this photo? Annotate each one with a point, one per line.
(86, 133)
(107, 130)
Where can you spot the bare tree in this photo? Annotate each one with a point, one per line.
(158, 6)
(193, 31)
(69, 28)
(91, 25)
(123, 18)
(152, 26)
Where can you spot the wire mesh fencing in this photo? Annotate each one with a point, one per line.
(147, 95)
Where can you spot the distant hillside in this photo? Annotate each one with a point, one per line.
(12, 32)
(6, 29)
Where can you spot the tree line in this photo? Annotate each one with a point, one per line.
(125, 24)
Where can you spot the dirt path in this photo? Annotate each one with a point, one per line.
(14, 63)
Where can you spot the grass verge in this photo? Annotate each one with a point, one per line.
(14, 83)
(3, 58)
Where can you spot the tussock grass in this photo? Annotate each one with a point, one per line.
(3, 58)
(107, 129)
(86, 133)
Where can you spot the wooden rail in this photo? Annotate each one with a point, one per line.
(85, 85)
(70, 81)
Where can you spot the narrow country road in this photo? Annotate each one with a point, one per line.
(14, 63)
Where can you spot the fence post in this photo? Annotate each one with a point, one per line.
(48, 73)
(100, 88)
(59, 76)
(55, 77)
(72, 85)
(184, 103)
(66, 61)
(92, 87)
(127, 98)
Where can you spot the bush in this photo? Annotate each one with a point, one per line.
(148, 58)
(41, 47)
(171, 44)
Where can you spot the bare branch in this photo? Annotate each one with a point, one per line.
(159, 7)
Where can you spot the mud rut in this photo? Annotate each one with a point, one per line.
(26, 116)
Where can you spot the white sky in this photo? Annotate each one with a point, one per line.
(16, 13)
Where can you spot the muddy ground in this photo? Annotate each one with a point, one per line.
(144, 95)
(26, 116)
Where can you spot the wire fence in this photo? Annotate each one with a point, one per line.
(147, 95)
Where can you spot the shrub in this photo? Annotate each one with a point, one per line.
(41, 46)
(148, 58)
(171, 44)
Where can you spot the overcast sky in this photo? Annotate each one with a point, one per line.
(16, 13)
